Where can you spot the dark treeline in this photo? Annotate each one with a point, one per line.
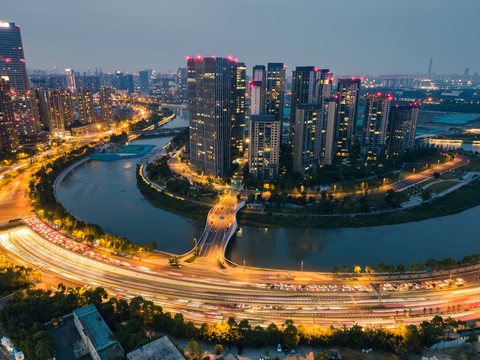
(23, 319)
(43, 200)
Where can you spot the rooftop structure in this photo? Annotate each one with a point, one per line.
(160, 349)
(96, 334)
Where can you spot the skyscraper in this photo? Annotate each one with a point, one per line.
(56, 123)
(12, 59)
(375, 121)
(70, 79)
(67, 107)
(13, 69)
(8, 132)
(257, 97)
(106, 104)
(145, 81)
(85, 106)
(275, 90)
(307, 144)
(238, 120)
(265, 132)
(402, 127)
(213, 103)
(348, 92)
(303, 92)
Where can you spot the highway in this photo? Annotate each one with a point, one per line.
(205, 293)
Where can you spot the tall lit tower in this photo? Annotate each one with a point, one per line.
(106, 104)
(402, 127)
(70, 80)
(375, 121)
(85, 106)
(348, 92)
(275, 90)
(213, 98)
(303, 92)
(8, 132)
(265, 132)
(14, 70)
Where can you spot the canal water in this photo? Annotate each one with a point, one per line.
(105, 193)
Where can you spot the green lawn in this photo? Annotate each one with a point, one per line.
(442, 186)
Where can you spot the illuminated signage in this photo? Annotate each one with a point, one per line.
(4, 24)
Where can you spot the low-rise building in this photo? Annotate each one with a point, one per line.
(96, 334)
(160, 349)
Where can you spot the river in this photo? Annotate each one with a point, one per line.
(105, 193)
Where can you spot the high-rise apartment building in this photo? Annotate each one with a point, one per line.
(213, 108)
(307, 144)
(374, 130)
(55, 109)
(258, 90)
(275, 90)
(56, 119)
(106, 104)
(238, 120)
(12, 59)
(257, 98)
(85, 107)
(70, 79)
(304, 83)
(402, 127)
(8, 132)
(265, 132)
(13, 69)
(67, 107)
(348, 91)
(145, 81)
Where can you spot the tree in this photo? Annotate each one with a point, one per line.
(174, 262)
(251, 198)
(336, 270)
(345, 268)
(239, 197)
(194, 348)
(218, 349)
(357, 269)
(321, 356)
(401, 268)
(369, 269)
(290, 334)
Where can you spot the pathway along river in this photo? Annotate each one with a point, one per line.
(105, 193)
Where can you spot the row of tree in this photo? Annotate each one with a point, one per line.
(431, 264)
(23, 319)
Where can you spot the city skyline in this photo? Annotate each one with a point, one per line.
(156, 41)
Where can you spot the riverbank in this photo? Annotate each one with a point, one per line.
(169, 202)
(457, 201)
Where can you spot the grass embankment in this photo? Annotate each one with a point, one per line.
(441, 186)
(163, 201)
(462, 199)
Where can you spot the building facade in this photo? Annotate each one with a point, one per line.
(304, 82)
(307, 144)
(14, 70)
(275, 96)
(106, 104)
(374, 129)
(86, 114)
(265, 132)
(402, 128)
(348, 92)
(8, 131)
(214, 104)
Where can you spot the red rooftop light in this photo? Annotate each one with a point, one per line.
(8, 60)
(187, 58)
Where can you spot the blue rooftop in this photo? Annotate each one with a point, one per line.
(95, 328)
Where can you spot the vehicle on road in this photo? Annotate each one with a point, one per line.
(279, 348)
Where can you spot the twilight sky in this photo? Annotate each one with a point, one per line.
(347, 36)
